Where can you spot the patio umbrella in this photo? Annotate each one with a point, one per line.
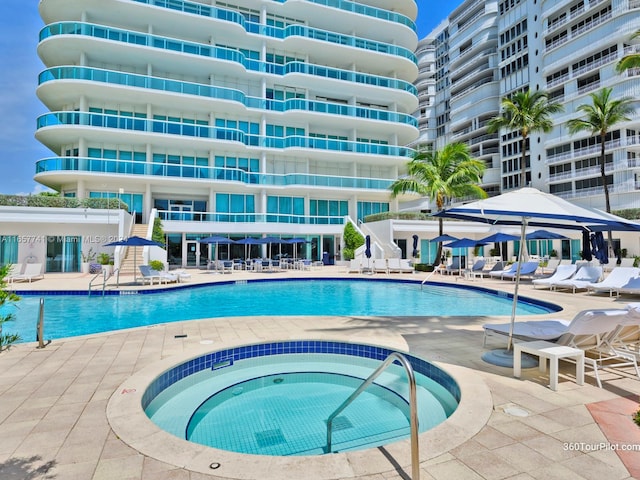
(531, 207)
(217, 240)
(599, 247)
(444, 238)
(544, 235)
(499, 238)
(272, 240)
(248, 241)
(586, 246)
(415, 246)
(134, 242)
(464, 243)
(295, 242)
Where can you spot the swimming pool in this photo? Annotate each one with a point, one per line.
(275, 398)
(68, 315)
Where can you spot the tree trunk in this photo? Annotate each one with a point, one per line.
(523, 163)
(439, 249)
(607, 202)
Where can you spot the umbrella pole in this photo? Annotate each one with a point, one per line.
(523, 235)
(504, 358)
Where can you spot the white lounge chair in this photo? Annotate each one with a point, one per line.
(150, 275)
(632, 287)
(399, 265)
(13, 270)
(528, 269)
(584, 277)
(380, 265)
(510, 269)
(617, 278)
(32, 271)
(563, 272)
(551, 265)
(590, 330)
(355, 265)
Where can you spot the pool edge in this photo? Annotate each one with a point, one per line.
(129, 422)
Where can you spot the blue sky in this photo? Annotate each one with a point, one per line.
(20, 66)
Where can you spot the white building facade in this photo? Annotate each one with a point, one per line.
(243, 118)
(489, 49)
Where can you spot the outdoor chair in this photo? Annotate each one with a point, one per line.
(589, 330)
(562, 272)
(584, 277)
(497, 267)
(32, 271)
(617, 279)
(527, 270)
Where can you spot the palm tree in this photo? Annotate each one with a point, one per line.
(629, 61)
(601, 115)
(525, 112)
(442, 175)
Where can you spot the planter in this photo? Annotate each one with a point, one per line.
(108, 269)
(84, 267)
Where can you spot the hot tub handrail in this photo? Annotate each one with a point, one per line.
(415, 461)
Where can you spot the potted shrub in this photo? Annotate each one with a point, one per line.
(157, 265)
(87, 258)
(104, 259)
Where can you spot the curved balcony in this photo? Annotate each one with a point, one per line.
(220, 93)
(219, 53)
(129, 167)
(229, 15)
(190, 130)
(292, 31)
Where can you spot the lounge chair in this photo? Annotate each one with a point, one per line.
(509, 270)
(497, 267)
(478, 265)
(380, 265)
(399, 265)
(584, 277)
(355, 266)
(632, 287)
(150, 275)
(617, 278)
(13, 270)
(527, 270)
(551, 265)
(32, 271)
(453, 268)
(590, 330)
(563, 272)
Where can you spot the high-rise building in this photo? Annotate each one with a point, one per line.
(487, 50)
(239, 118)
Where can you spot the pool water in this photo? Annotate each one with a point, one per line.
(72, 315)
(279, 405)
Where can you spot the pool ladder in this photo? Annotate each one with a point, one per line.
(415, 451)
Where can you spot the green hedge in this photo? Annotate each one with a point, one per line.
(61, 202)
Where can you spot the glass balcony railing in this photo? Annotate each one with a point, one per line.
(232, 16)
(139, 124)
(176, 86)
(168, 215)
(138, 38)
(130, 167)
(221, 53)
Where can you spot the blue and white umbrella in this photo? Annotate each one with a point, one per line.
(134, 242)
(531, 207)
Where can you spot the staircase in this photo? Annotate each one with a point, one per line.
(127, 265)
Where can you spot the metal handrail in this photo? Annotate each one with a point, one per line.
(431, 274)
(104, 280)
(415, 461)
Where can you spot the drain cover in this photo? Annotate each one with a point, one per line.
(341, 423)
(269, 438)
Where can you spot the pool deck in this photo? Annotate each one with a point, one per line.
(54, 401)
